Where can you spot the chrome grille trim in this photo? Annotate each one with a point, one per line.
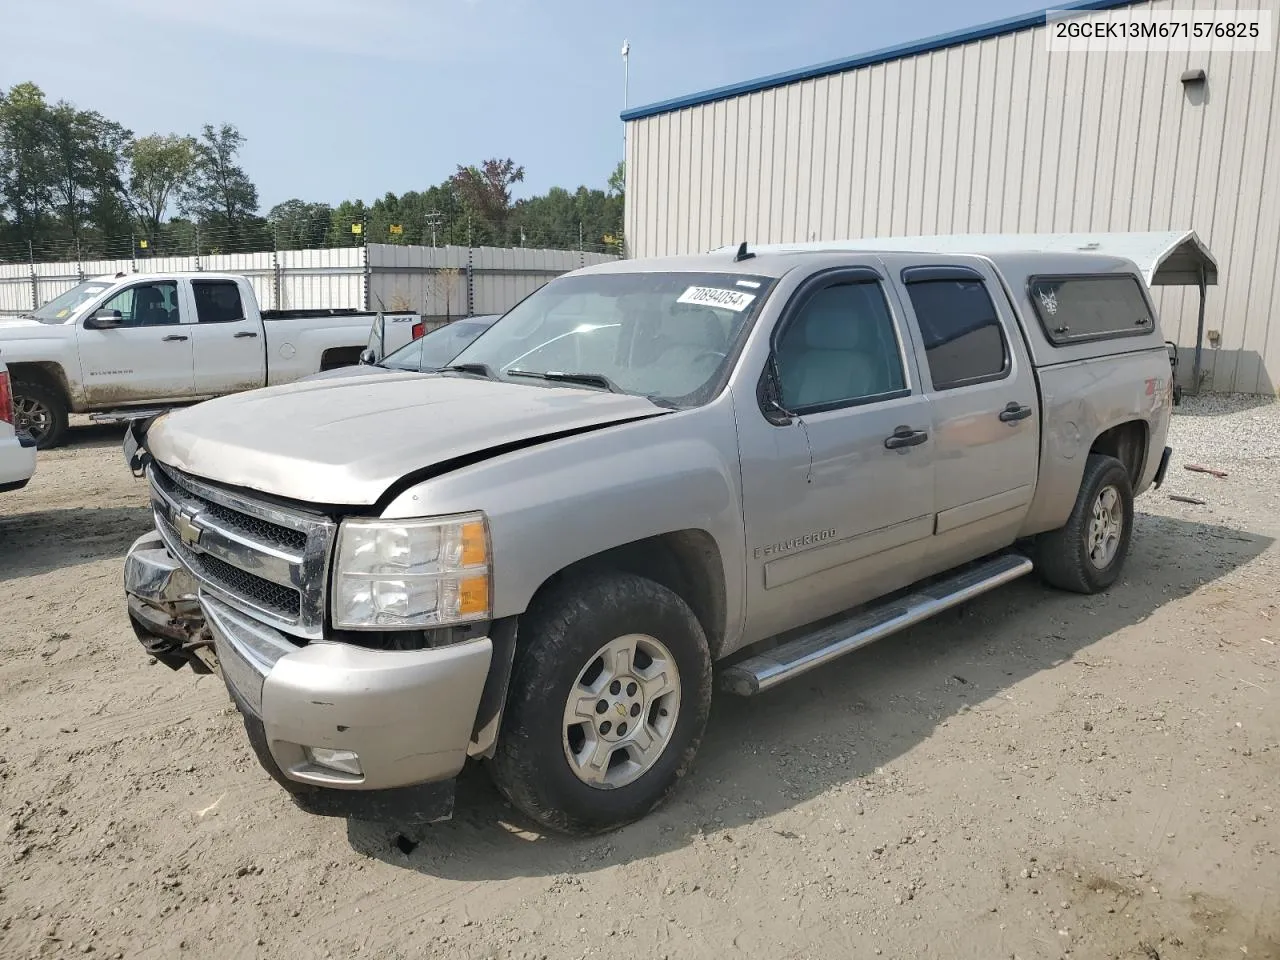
(264, 560)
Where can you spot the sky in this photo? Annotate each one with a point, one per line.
(345, 99)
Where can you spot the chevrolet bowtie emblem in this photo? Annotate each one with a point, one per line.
(622, 711)
(184, 523)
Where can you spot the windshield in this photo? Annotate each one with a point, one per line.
(60, 308)
(666, 336)
(435, 349)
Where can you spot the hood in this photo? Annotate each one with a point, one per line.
(345, 373)
(10, 326)
(346, 440)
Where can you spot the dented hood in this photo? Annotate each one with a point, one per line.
(346, 441)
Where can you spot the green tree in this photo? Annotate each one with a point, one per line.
(158, 167)
(27, 172)
(485, 191)
(85, 156)
(299, 225)
(219, 194)
(618, 180)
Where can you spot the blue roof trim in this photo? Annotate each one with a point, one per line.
(939, 42)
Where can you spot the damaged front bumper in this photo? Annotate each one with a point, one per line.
(164, 607)
(348, 731)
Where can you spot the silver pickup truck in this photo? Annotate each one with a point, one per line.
(534, 557)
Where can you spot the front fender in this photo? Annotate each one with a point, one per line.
(552, 505)
(53, 356)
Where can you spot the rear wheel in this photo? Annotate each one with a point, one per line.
(609, 698)
(40, 412)
(1087, 554)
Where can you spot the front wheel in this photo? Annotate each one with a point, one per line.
(1086, 555)
(40, 412)
(609, 699)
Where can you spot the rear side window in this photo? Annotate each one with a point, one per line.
(217, 301)
(1098, 307)
(963, 340)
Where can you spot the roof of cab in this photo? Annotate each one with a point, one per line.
(192, 275)
(775, 260)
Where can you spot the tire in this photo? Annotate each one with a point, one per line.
(540, 763)
(48, 403)
(1072, 558)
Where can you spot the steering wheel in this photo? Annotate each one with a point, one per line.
(715, 356)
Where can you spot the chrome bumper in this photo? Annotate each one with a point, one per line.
(407, 715)
(163, 606)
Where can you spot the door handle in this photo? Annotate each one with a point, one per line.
(905, 437)
(1014, 411)
(173, 338)
(245, 333)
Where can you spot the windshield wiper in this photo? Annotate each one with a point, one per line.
(557, 376)
(479, 369)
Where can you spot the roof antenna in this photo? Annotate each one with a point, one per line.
(743, 253)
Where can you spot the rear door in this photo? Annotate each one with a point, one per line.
(230, 350)
(985, 407)
(146, 357)
(838, 491)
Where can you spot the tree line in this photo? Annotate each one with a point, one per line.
(75, 185)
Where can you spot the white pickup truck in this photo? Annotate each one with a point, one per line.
(158, 339)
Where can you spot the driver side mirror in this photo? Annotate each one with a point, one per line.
(769, 394)
(104, 320)
(368, 358)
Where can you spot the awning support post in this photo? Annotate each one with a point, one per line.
(1195, 367)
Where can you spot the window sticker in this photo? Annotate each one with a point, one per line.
(734, 300)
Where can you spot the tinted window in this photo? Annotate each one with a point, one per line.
(1091, 307)
(217, 301)
(436, 348)
(963, 340)
(146, 305)
(839, 348)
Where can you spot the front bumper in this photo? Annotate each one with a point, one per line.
(407, 715)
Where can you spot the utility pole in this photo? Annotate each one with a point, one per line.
(433, 219)
(626, 91)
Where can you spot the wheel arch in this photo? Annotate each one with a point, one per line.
(46, 372)
(1127, 442)
(687, 562)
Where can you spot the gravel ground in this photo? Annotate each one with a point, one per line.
(1037, 775)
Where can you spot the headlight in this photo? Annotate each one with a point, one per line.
(412, 573)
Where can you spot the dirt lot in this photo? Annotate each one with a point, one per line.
(1037, 775)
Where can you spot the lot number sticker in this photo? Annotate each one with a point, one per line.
(734, 300)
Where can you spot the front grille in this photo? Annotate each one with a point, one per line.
(263, 594)
(267, 561)
(242, 523)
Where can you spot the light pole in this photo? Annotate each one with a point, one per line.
(626, 85)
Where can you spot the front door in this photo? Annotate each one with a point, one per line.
(838, 477)
(230, 347)
(147, 356)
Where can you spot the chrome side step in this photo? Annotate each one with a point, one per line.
(802, 654)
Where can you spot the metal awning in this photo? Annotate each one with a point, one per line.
(1166, 258)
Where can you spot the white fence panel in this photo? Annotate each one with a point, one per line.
(447, 281)
(321, 279)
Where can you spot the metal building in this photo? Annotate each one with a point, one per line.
(987, 131)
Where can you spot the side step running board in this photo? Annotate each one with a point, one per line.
(794, 657)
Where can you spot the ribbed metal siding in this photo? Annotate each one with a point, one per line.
(996, 136)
